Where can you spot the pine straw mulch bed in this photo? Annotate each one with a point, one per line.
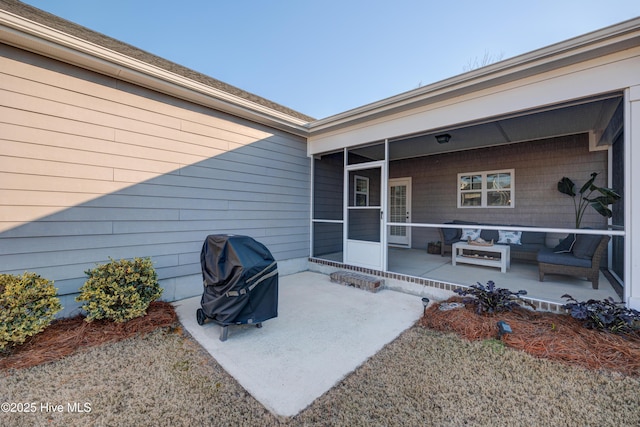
(67, 336)
(543, 334)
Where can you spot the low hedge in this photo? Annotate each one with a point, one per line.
(119, 290)
(28, 304)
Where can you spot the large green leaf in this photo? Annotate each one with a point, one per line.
(566, 186)
(589, 184)
(610, 195)
(600, 205)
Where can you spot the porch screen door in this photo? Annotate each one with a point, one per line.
(399, 211)
(365, 222)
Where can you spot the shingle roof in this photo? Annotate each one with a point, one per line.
(53, 21)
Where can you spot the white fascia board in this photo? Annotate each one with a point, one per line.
(38, 38)
(611, 39)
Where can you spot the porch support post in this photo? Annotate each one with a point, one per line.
(632, 197)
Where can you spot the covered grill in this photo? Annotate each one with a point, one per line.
(240, 279)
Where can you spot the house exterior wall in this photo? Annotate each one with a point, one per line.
(538, 166)
(92, 168)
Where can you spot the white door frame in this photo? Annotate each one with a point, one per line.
(362, 253)
(391, 240)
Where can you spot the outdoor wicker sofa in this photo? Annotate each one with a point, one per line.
(582, 259)
(526, 250)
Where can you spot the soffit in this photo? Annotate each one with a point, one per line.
(593, 115)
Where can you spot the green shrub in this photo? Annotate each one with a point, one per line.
(605, 315)
(28, 304)
(489, 299)
(119, 290)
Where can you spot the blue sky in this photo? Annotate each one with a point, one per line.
(325, 57)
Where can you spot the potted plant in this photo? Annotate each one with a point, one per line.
(600, 203)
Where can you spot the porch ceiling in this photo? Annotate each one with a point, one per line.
(598, 116)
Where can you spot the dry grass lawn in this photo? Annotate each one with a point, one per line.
(423, 378)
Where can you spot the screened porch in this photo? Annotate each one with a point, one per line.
(380, 205)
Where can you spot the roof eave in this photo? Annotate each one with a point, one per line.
(32, 36)
(601, 42)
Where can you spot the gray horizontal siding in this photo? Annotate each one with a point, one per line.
(92, 168)
(328, 187)
(538, 165)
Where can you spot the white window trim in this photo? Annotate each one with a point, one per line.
(486, 190)
(356, 193)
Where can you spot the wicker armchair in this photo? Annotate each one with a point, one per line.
(569, 265)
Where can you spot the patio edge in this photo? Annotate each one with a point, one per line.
(411, 284)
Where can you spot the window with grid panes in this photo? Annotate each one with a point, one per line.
(489, 189)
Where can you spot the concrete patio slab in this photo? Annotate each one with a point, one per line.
(323, 332)
(419, 263)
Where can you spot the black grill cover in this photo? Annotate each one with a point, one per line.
(240, 278)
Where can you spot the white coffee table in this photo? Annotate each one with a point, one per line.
(463, 252)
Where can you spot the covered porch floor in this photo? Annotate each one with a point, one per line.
(521, 275)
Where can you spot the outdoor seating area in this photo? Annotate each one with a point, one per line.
(578, 255)
(520, 275)
(524, 246)
(581, 259)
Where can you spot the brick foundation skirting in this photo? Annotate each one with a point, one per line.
(539, 305)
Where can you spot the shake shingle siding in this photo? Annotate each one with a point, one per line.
(538, 166)
(92, 168)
